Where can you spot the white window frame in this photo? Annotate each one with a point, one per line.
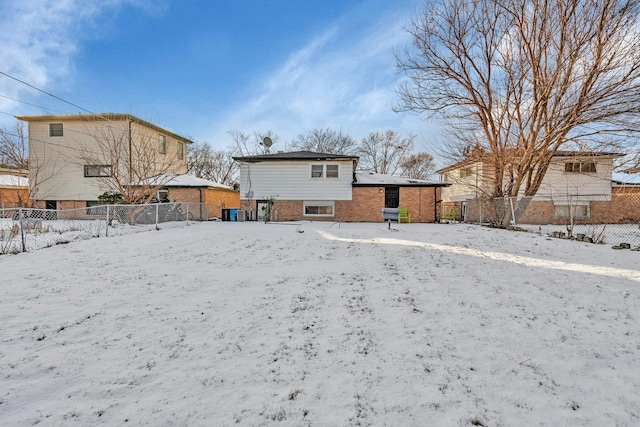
(97, 171)
(314, 169)
(58, 131)
(337, 171)
(579, 211)
(180, 151)
(162, 144)
(323, 170)
(319, 204)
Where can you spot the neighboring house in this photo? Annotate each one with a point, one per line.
(14, 188)
(207, 198)
(75, 158)
(304, 185)
(577, 184)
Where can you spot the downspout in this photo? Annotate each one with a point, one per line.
(435, 204)
(201, 205)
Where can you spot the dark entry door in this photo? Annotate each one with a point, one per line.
(391, 197)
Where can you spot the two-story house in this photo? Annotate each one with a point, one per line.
(576, 184)
(75, 158)
(305, 185)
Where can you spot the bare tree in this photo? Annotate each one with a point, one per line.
(14, 147)
(251, 144)
(127, 160)
(419, 166)
(328, 141)
(214, 165)
(384, 152)
(523, 79)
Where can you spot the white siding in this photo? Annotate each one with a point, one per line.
(558, 184)
(291, 180)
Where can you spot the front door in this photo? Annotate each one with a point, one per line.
(391, 197)
(261, 206)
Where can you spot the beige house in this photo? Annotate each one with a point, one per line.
(75, 158)
(575, 184)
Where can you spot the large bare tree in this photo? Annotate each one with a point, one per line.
(521, 79)
(250, 144)
(127, 160)
(214, 165)
(14, 147)
(328, 141)
(384, 152)
(419, 166)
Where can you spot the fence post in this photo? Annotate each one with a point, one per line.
(106, 233)
(157, 208)
(21, 217)
(513, 213)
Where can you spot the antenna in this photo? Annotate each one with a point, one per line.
(267, 142)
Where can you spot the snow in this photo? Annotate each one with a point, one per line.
(14, 181)
(379, 178)
(192, 181)
(324, 324)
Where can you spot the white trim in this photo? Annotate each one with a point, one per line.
(319, 203)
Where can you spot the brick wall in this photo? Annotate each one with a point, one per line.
(213, 199)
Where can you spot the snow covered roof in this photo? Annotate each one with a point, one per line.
(619, 178)
(192, 181)
(14, 181)
(380, 179)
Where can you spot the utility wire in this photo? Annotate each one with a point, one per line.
(47, 93)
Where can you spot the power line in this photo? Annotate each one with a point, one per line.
(47, 93)
(24, 102)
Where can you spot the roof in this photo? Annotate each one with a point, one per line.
(102, 117)
(378, 179)
(14, 181)
(559, 153)
(625, 178)
(294, 155)
(192, 181)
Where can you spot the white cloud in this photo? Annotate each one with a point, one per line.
(39, 40)
(338, 80)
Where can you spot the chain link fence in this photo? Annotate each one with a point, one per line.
(611, 219)
(24, 229)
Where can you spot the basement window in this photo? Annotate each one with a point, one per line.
(319, 208)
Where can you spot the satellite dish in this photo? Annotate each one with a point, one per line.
(267, 142)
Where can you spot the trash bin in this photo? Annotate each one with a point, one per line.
(233, 214)
(226, 214)
(242, 215)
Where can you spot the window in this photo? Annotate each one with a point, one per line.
(332, 171)
(317, 171)
(162, 144)
(325, 171)
(577, 212)
(580, 167)
(91, 171)
(56, 129)
(322, 208)
(465, 172)
(180, 152)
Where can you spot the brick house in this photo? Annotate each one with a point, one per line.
(14, 188)
(207, 198)
(312, 186)
(577, 184)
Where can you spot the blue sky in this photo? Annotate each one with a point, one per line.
(204, 68)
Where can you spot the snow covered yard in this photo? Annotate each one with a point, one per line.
(341, 324)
